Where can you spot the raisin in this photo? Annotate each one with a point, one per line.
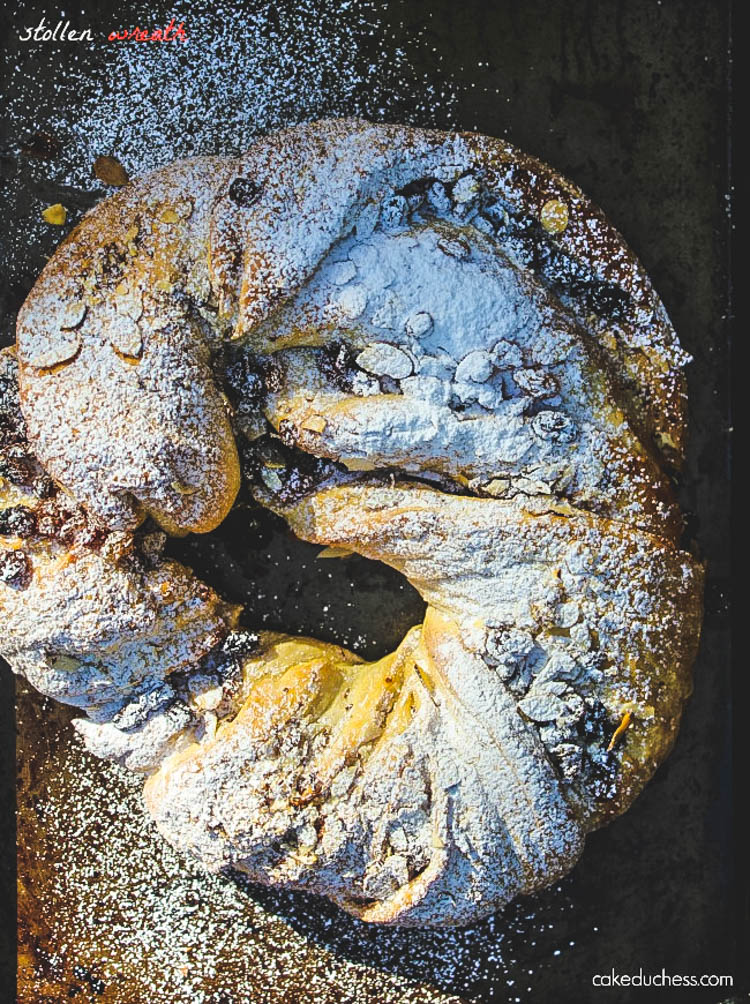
(17, 521)
(273, 374)
(43, 487)
(111, 263)
(244, 192)
(9, 430)
(16, 466)
(606, 299)
(595, 726)
(337, 363)
(417, 187)
(15, 569)
(303, 475)
(86, 976)
(244, 382)
(288, 432)
(240, 643)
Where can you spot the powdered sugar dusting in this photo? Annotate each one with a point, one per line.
(133, 920)
(242, 72)
(316, 97)
(429, 833)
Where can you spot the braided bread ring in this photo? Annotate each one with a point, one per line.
(385, 300)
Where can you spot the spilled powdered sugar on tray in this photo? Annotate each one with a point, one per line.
(241, 73)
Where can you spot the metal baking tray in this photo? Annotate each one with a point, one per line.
(629, 100)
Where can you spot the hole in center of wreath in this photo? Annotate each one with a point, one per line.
(254, 559)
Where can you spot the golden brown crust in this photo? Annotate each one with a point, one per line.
(115, 353)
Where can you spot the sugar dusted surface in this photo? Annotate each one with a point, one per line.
(362, 783)
(114, 899)
(253, 70)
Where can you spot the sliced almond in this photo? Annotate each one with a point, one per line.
(454, 247)
(73, 315)
(46, 352)
(554, 216)
(384, 359)
(335, 552)
(184, 208)
(497, 487)
(126, 337)
(182, 489)
(131, 305)
(358, 464)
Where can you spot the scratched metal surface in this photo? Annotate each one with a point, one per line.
(629, 100)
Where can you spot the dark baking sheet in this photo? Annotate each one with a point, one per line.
(630, 100)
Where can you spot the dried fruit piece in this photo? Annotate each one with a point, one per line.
(554, 216)
(315, 423)
(110, 171)
(17, 521)
(15, 569)
(169, 216)
(56, 215)
(244, 192)
(626, 720)
(392, 212)
(553, 426)
(535, 383)
(182, 489)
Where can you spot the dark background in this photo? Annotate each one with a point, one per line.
(630, 100)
